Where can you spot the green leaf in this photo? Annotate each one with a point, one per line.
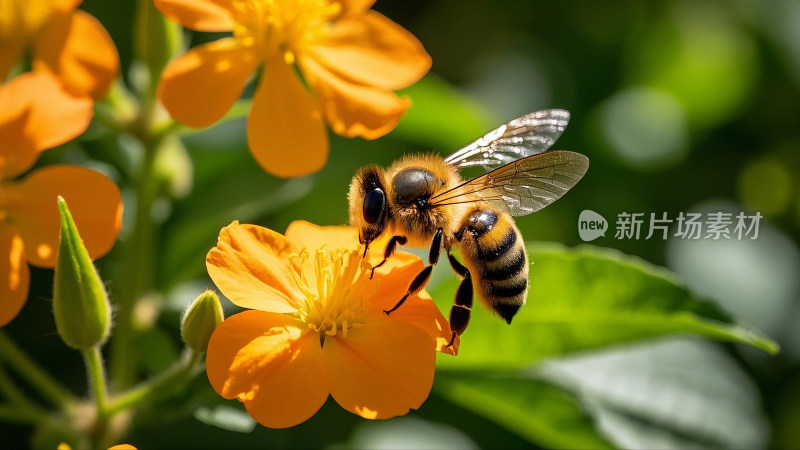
(226, 417)
(671, 393)
(586, 298)
(159, 350)
(535, 410)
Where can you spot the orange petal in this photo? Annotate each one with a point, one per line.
(201, 86)
(37, 113)
(355, 7)
(200, 15)
(352, 109)
(374, 51)
(271, 363)
(312, 237)
(65, 6)
(122, 447)
(79, 51)
(419, 309)
(14, 274)
(93, 199)
(285, 130)
(251, 266)
(381, 369)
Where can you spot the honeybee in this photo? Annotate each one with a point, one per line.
(422, 201)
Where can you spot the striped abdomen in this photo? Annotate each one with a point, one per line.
(494, 253)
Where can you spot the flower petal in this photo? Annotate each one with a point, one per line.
(353, 109)
(201, 86)
(200, 15)
(312, 237)
(419, 309)
(355, 7)
(285, 130)
(251, 266)
(381, 369)
(79, 51)
(93, 199)
(37, 113)
(374, 51)
(272, 364)
(14, 274)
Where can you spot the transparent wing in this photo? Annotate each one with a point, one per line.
(523, 186)
(525, 136)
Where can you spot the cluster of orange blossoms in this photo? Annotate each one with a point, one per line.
(73, 62)
(352, 59)
(315, 325)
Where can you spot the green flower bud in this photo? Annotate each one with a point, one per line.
(200, 320)
(80, 304)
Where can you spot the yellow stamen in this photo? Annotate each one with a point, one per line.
(282, 26)
(335, 300)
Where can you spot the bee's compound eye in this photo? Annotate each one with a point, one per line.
(374, 205)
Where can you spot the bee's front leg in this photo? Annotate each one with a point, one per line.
(422, 278)
(390, 248)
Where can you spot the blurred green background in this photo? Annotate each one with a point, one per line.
(680, 106)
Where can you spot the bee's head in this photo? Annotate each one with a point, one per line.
(369, 203)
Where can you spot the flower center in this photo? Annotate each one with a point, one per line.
(22, 18)
(335, 297)
(282, 26)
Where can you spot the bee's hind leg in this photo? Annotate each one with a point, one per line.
(390, 247)
(462, 305)
(422, 278)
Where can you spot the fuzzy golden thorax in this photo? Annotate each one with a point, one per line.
(408, 184)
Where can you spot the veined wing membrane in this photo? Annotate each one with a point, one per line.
(525, 136)
(524, 186)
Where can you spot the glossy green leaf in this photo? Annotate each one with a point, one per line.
(536, 410)
(586, 298)
(669, 393)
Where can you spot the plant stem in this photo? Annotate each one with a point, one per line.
(136, 272)
(97, 378)
(19, 415)
(33, 374)
(174, 377)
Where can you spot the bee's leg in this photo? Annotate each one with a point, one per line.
(462, 305)
(422, 278)
(390, 247)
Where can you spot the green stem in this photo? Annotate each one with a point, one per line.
(33, 374)
(169, 381)
(11, 392)
(97, 378)
(137, 271)
(19, 415)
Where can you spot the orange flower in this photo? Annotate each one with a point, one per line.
(65, 446)
(315, 326)
(66, 42)
(37, 113)
(352, 59)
